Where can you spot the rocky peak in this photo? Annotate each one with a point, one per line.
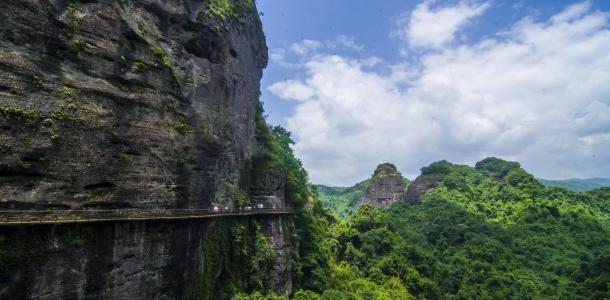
(495, 167)
(386, 187)
(385, 169)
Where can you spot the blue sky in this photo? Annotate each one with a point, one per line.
(411, 82)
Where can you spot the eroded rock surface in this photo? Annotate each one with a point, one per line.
(131, 104)
(126, 103)
(140, 260)
(278, 230)
(418, 188)
(386, 187)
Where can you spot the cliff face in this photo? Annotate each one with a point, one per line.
(279, 230)
(147, 260)
(134, 104)
(386, 187)
(417, 189)
(127, 103)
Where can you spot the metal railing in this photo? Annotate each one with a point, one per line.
(11, 217)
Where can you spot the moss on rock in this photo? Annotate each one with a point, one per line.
(25, 116)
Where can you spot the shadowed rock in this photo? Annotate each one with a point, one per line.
(417, 188)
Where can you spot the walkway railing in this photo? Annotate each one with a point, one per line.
(15, 217)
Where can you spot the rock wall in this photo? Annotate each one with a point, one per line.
(141, 260)
(131, 104)
(386, 187)
(279, 231)
(418, 188)
(126, 103)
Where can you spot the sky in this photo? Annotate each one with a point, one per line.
(361, 82)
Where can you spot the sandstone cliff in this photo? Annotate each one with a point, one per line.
(127, 103)
(134, 104)
(386, 186)
(417, 189)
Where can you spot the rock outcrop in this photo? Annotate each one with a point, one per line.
(386, 186)
(429, 178)
(142, 104)
(144, 260)
(417, 188)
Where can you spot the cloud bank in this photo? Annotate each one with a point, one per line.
(538, 93)
(435, 28)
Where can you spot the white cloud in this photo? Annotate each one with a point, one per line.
(278, 56)
(540, 94)
(292, 90)
(435, 28)
(305, 46)
(348, 42)
(370, 62)
(572, 12)
(297, 54)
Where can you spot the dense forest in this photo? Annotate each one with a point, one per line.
(492, 231)
(342, 200)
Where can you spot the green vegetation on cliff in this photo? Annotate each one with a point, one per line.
(278, 160)
(386, 169)
(219, 12)
(235, 257)
(315, 265)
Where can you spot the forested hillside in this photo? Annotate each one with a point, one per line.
(488, 232)
(342, 200)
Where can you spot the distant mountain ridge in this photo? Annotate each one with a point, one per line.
(577, 185)
(345, 200)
